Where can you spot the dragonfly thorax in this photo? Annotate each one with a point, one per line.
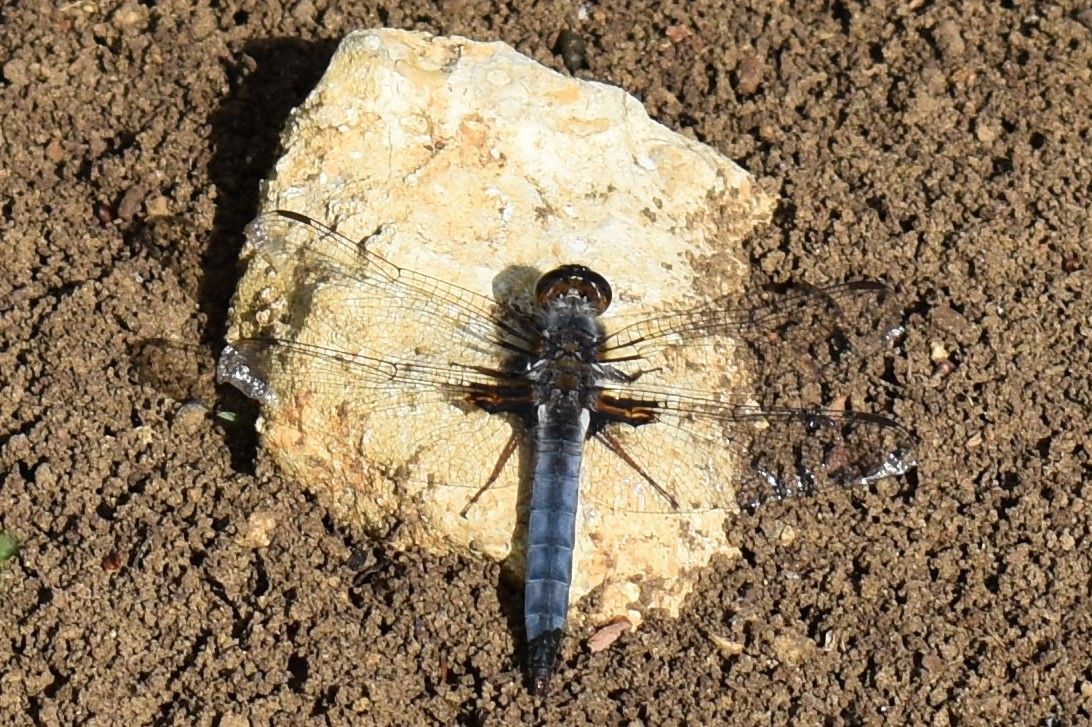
(572, 337)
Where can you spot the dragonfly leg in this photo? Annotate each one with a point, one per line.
(615, 446)
(505, 455)
(631, 378)
(622, 376)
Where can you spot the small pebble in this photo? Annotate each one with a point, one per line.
(190, 416)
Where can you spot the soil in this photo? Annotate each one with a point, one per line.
(168, 574)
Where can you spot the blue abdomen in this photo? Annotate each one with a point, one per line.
(551, 534)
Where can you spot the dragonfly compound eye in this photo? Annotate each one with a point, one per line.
(574, 280)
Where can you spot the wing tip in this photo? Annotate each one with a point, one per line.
(236, 368)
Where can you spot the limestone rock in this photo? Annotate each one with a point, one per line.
(472, 164)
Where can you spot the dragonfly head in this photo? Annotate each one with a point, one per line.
(573, 280)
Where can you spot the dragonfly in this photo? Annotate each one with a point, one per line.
(569, 378)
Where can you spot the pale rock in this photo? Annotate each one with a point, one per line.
(793, 649)
(725, 646)
(259, 530)
(473, 159)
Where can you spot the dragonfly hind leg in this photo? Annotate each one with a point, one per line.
(505, 455)
(611, 442)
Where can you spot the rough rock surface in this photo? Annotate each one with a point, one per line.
(482, 168)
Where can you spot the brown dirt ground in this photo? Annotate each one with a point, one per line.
(944, 150)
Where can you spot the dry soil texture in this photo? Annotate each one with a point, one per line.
(168, 575)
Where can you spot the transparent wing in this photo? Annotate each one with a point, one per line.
(398, 412)
(389, 358)
(706, 453)
(384, 296)
(252, 365)
(822, 326)
(709, 448)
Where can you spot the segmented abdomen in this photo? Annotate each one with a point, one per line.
(551, 534)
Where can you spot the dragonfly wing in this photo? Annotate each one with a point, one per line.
(706, 453)
(384, 297)
(708, 450)
(409, 420)
(397, 361)
(825, 327)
